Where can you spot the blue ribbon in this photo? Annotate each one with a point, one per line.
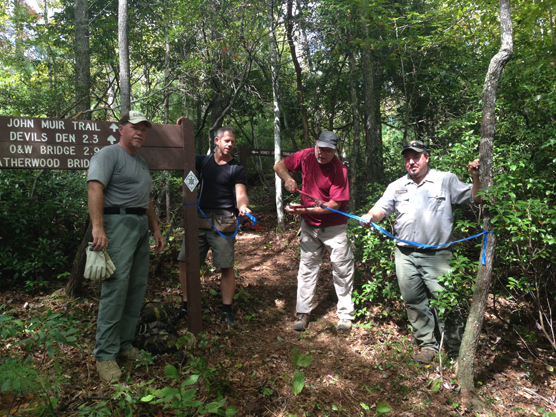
(409, 242)
(253, 219)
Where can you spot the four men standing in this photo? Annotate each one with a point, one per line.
(122, 214)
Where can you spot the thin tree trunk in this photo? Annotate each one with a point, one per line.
(484, 276)
(82, 59)
(356, 127)
(123, 48)
(83, 105)
(373, 141)
(275, 70)
(298, 75)
(74, 287)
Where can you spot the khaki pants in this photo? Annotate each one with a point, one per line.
(418, 273)
(122, 294)
(313, 242)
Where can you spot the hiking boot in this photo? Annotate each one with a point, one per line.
(108, 371)
(301, 322)
(181, 311)
(132, 354)
(227, 318)
(426, 356)
(344, 325)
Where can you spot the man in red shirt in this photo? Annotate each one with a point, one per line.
(325, 178)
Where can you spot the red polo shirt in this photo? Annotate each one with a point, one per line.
(323, 181)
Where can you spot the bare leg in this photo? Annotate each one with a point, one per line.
(228, 285)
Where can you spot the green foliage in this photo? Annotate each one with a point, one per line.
(42, 220)
(298, 380)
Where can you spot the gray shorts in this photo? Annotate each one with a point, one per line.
(222, 249)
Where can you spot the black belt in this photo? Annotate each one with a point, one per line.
(125, 210)
(425, 249)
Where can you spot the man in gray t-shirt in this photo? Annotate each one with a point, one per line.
(423, 201)
(122, 215)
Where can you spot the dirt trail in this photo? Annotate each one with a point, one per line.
(351, 374)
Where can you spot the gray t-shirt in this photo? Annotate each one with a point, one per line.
(126, 177)
(424, 211)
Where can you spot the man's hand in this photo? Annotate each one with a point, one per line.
(243, 210)
(158, 242)
(473, 167)
(368, 219)
(95, 267)
(290, 185)
(100, 241)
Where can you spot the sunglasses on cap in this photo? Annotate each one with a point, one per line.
(415, 145)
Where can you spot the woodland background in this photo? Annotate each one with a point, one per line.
(379, 73)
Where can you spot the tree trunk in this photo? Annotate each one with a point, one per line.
(298, 75)
(74, 286)
(484, 276)
(373, 141)
(275, 70)
(83, 105)
(352, 207)
(123, 48)
(82, 60)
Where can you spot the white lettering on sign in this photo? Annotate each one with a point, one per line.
(57, 150)
(20, 123)
(111, 139)
(114, 127)
(53, 124)
(78, 163)
(31, 163)
(79, 125)
(92, 139)
(65, 137)
(87, 151)
(28, 136)
(21, 149)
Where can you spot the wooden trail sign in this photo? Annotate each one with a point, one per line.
(36, 143)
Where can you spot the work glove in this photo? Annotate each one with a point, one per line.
(110, 267)
(95, 267)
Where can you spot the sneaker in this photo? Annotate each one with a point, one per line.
(108, 371)
(227, 318)
(132, 354)
(181, 311)
(301, 322)
(344, 325)
(426, 356)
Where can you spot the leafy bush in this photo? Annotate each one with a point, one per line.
(43, 215)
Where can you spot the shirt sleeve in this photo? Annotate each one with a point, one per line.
(387, 203)
(102, 166)
(240, 176)
(294, 162)
(460, 192)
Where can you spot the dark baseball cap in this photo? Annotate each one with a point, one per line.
(415, 145)
(327, 140)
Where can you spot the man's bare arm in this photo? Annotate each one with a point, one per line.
(96, 211)
(283, 173)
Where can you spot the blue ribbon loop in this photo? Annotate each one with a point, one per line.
(418, 245)
(253, 219)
